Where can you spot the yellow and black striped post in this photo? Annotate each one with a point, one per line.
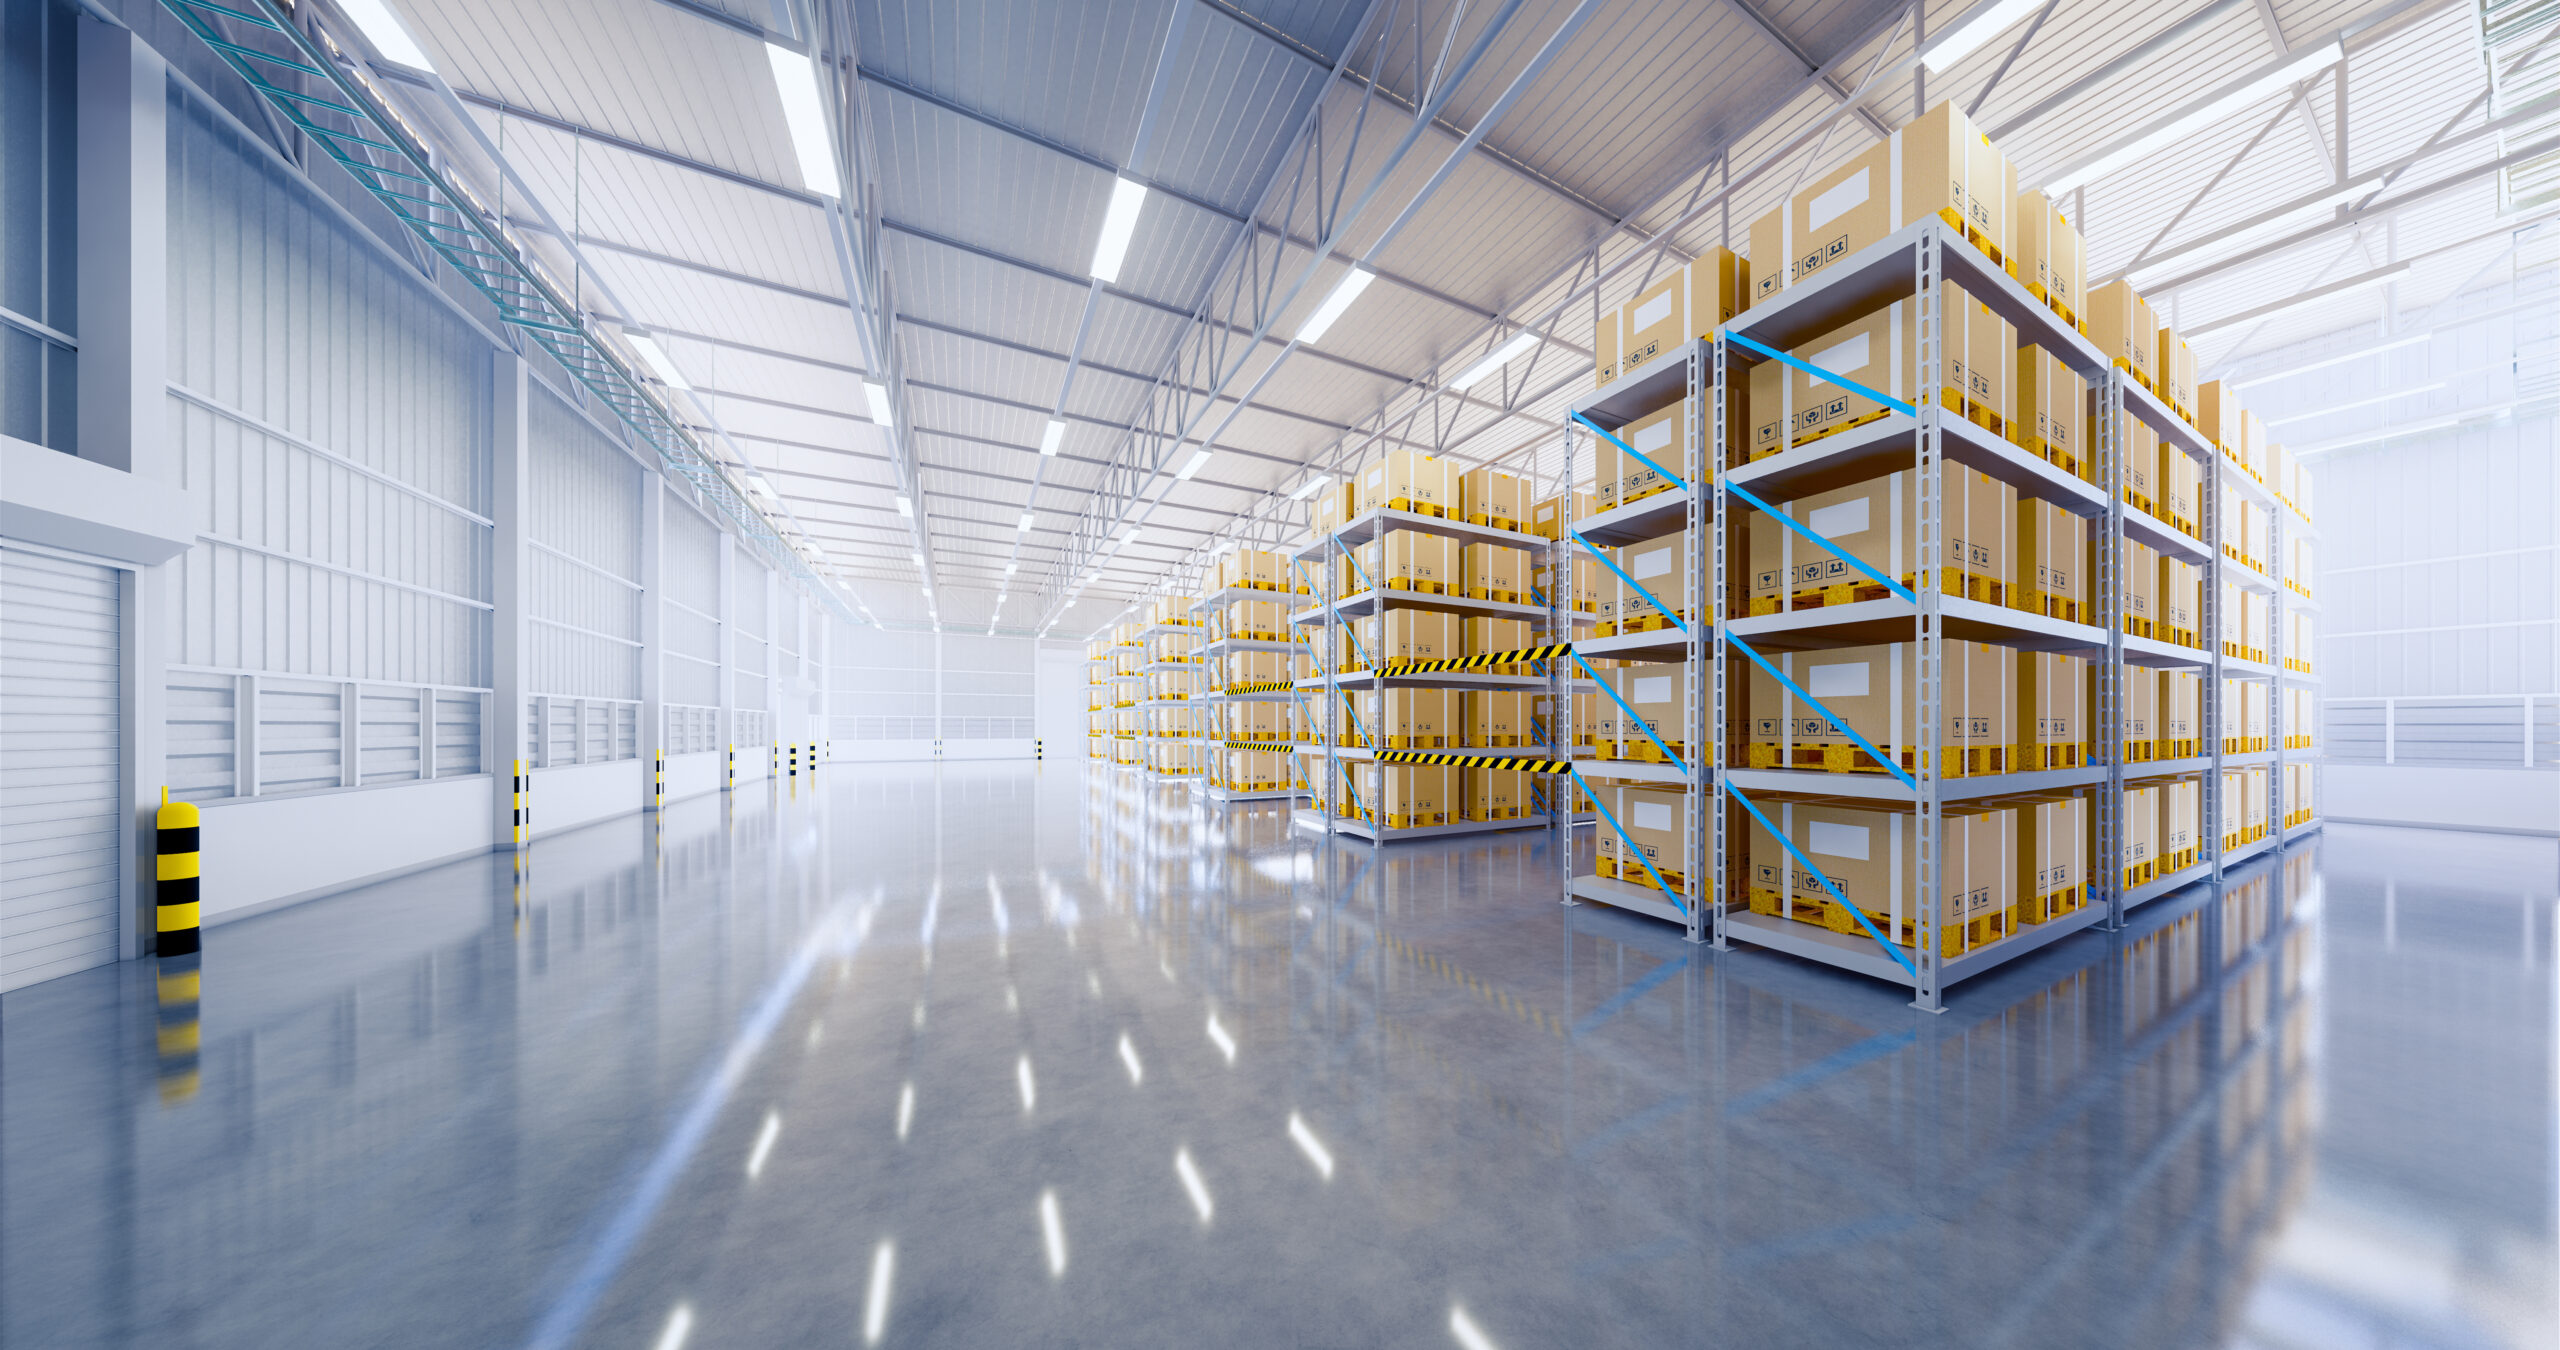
(522, 821)
(180, 1036)
(773, 762)
(658, 780)
(179, 922)
(731, 785)
(795, 761)
(1035, 750)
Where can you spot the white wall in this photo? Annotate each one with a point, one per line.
(1060, 690)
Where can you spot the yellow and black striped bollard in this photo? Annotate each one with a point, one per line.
(795, 761)
(179, 922)
(523, 822)
(731, 785)
(180, 1036)
(658, 780)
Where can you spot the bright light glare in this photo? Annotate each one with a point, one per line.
(875, 1304)
(2205, 114)
(1310, 487)
(1191, 1182)
(1129, 1057)
(1500, 357)
(1468, 1333)
(1198, 462)
(764, 1144)
(679, 1328)
(817, 1033)
(797, 81)
(384, 30)
(906, 507)
(1311, 1146)
(906, 1108)
(1050, 435)
(656, 356)
(1053, 1234)
(1959, 42)
(2327, 409)
(1118, 223)
(878, 396)
(1218, 1036)
(1022, 1076)
(1344, 292)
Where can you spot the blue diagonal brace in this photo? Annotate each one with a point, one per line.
(1605, 561)
(1597, 805)
(1845, 729)
(1820, 374)
(1676, 480)
(1835, 550)
(1859, 914)
(1676, 761)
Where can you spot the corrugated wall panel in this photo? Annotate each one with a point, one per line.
(583, 510)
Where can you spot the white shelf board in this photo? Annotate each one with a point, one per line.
(2155, 412)
(1248, 645)
(1655, 516)
(1651, 387)
(1658, 645)
(1440, 679)
(1884, 787)
(2142, 527)
(1885, 446)
(1869, 622)
(1627, 895)
(1633, 771)
(1885, 271)
(1362, 828)
(2235, 668)
(2162, 768)
(1367, 525)
(1361, 603)
(2306, 827)
(2250, 760)
(2143, 651)
(1231, 594)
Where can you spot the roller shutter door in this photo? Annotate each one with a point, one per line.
(60, 819)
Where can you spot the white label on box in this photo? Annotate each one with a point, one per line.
(1653, 564)
(1655, 437)
(1848, 193)
(1650, 815)
(1834, 840)
(1377, 475)
(1844, 357)
(1655, 310)
(1840, 519)
(1652, 689)
(1841, 679)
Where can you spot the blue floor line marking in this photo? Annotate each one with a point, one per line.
(1840, 1061)
(1619, 1001)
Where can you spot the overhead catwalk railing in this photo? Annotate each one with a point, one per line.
(1776, 814)
(286, 57)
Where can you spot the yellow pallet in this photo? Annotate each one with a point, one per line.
(1411, 507)
(2053, 905)
(2048, 604)
(2030, 758)
(1417, 820)
(1496, 522)
(1675, 879)
(2180, 748)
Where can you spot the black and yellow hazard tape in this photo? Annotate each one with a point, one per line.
(523, 821)
(1283, 746)
(1260, 687)
(1552, 649)
(178, 921)
(1447, 759)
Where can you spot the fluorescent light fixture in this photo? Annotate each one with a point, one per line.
(656, 357)
(2213, 109)
(1118, 223)
(1130, 534)
(2325, 362)
(1310, 487)
(1958, 42)
(1344, 292)
(905, 507)
(2360, 403)
(878, 394)
(797, 81)
(760, 487)
(2317, 295)
(390, 37)
(2408, 428)
(1500, 357)
(917, 558)
(1050, 435)
(1026, 520)
(2202, 251)
(1198, 462)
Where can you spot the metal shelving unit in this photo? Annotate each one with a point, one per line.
(1908, 265)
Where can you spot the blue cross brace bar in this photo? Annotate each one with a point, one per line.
(1676, 480)
(1820, 374)
(1596, 805)
(1835, 550)
(1798, 690)
(1667, 611)
(1630, 712)
(1781, 835)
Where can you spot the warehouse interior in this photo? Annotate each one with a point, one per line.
(1503, 673)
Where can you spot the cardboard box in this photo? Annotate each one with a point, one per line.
(1874, 691)
(1869, 859)
(2051, 400)
(1877, 522)
(1492, 718)
(2119, 320)
(1406, 719)
(1660, 584)
(2138, 597)
(2218, 414)
(2181, 717)
(1938, 165)
(1407, 560)
(1590, 582)
(1657, 697)
(2181, 491)
(2181, 839)
(1604, 348)
(2053, 857)
(2141, 822)
(1551, 517)
(2141, 712)
(2053, 555)
(2181, 601)
(1659, 437)
(1478, 635)
(2054, 712)
(2048, 253)
(1653, 820)
(1690, 303)
(2139, 443)
(1492, 497)
(2251, 447)
(1409, 480)
(2175, 368)
(1406, 796)
(1881, 352)
(1495, 571)
(1492, 794)
(1334, 503)
(1399, 636)
(1265, 620)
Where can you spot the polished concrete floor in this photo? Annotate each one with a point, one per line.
(984, 1055)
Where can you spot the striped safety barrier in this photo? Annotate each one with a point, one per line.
(179, 920)
(1450, 759)
(1552, 649)
(523, 821)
